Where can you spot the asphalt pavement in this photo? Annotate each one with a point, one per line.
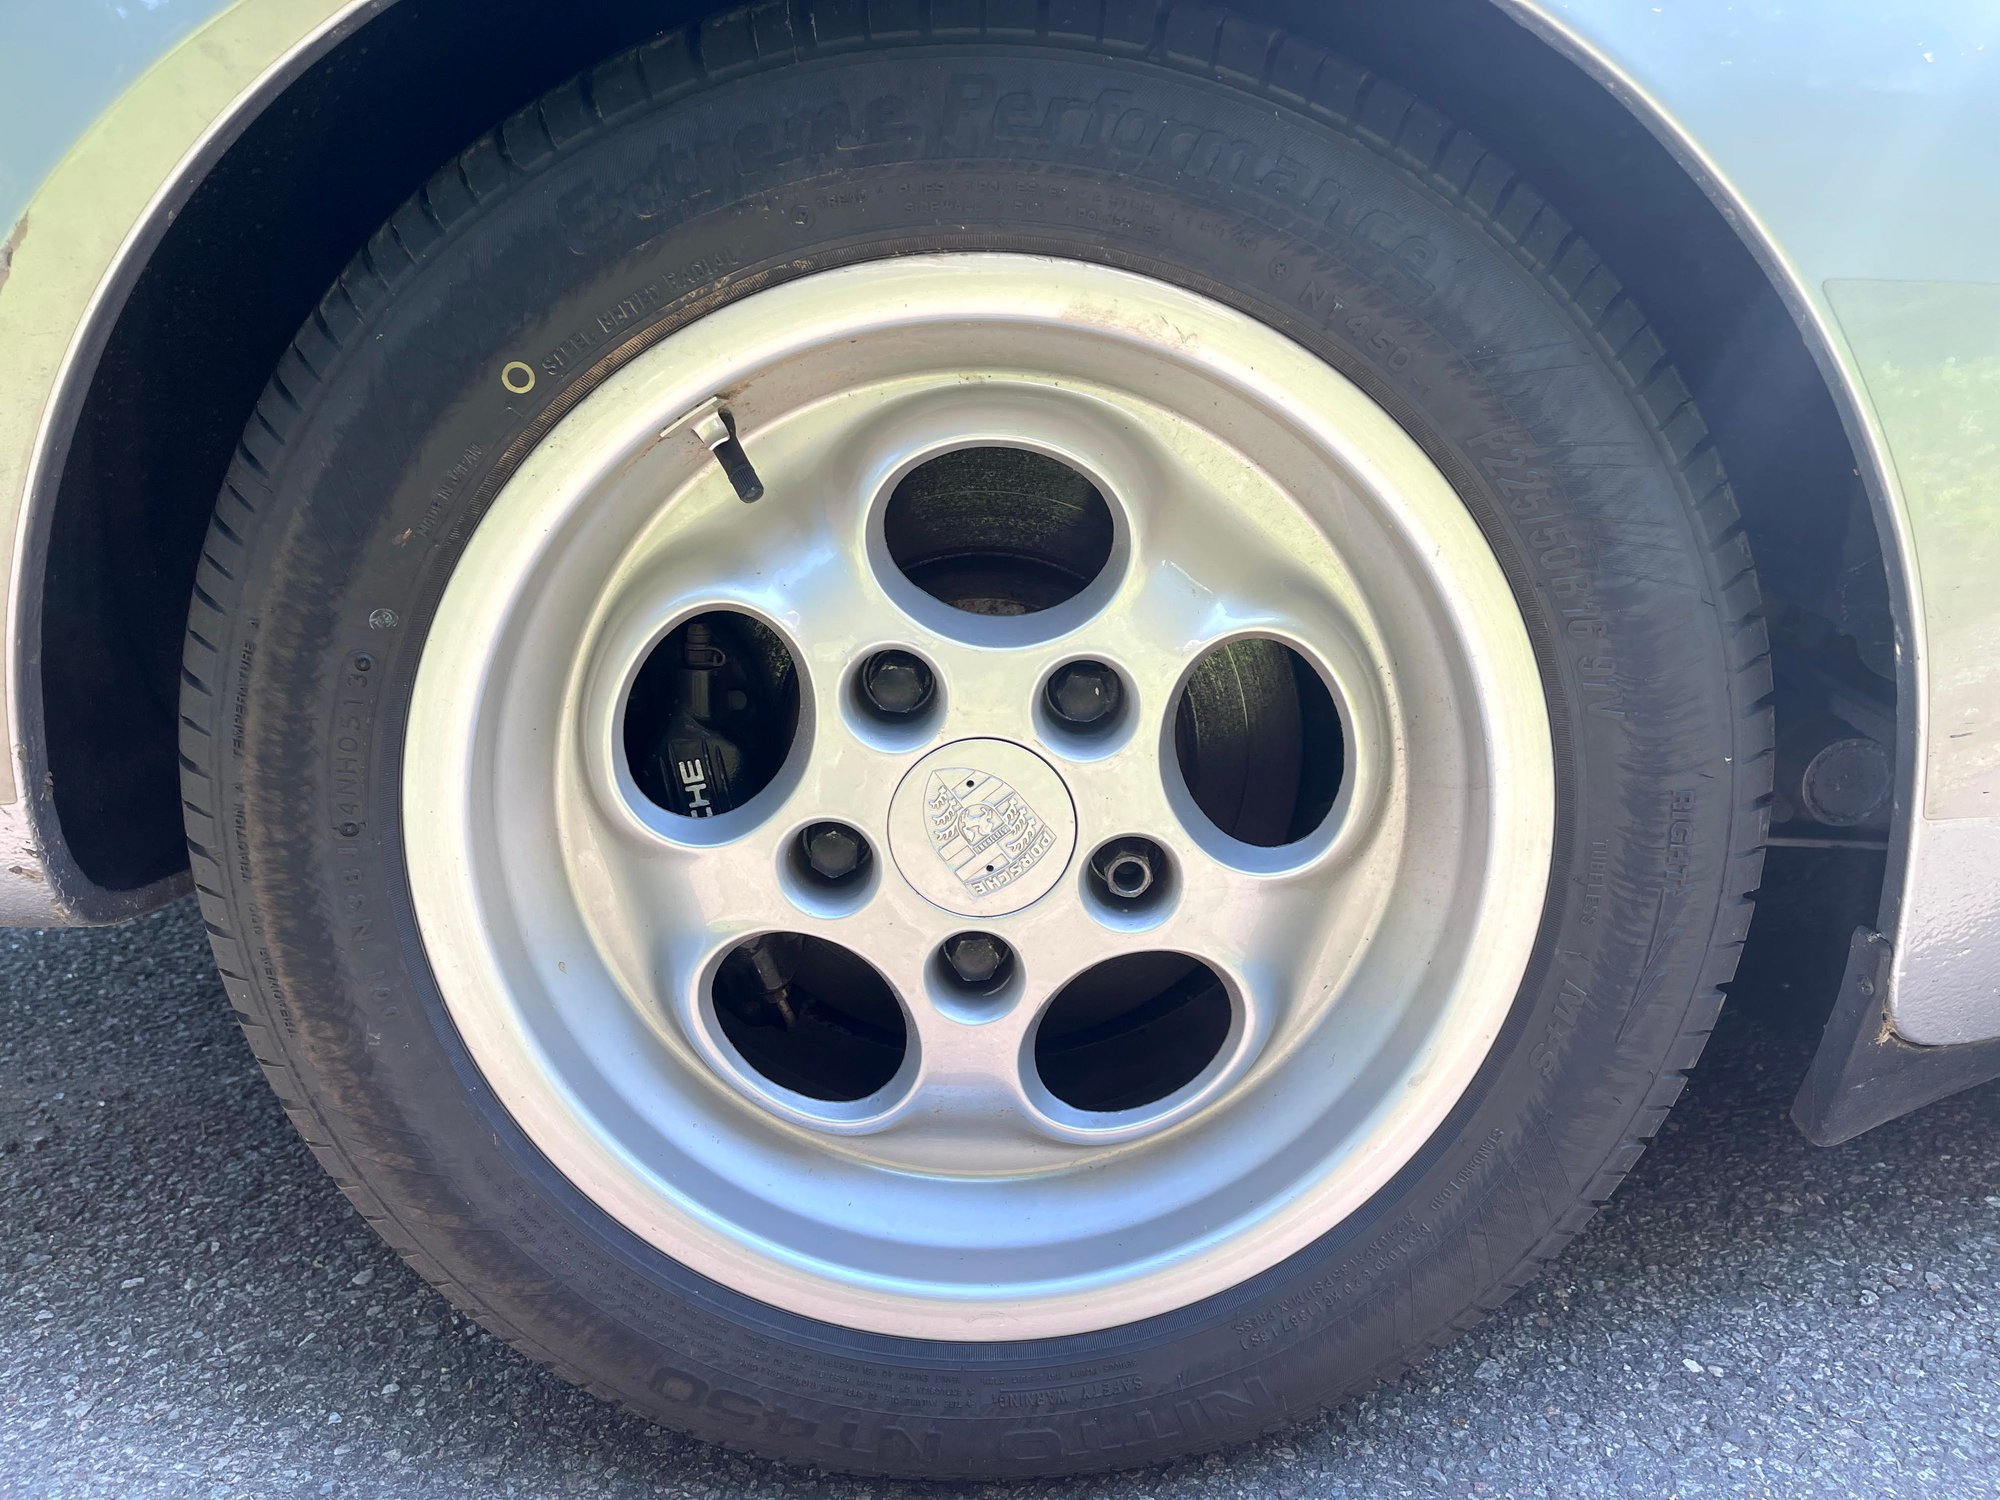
(189, 1309)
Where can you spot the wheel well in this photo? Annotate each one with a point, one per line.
(270, 225)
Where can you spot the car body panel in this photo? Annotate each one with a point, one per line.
(66, 65)
(1849, 147)
(1928, 354)
(1894, 271)
(88, 222)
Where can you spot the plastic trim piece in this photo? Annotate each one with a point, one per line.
(1864, 1074)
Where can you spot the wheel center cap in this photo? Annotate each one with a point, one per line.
(982, 827)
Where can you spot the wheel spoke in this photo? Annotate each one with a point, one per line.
(1261, 934)
(968, 1106)
(665, 908)
(1174, 611)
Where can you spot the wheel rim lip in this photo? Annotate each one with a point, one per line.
(454, 681)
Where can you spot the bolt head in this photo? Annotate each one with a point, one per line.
(896, 682)
(833, 850)
(1127, 867)
(1085, 692)
(975, 957)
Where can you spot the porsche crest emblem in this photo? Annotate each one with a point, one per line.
(982, 829)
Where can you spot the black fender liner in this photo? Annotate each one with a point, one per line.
(1864, 1074)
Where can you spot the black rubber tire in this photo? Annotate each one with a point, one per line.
(1250, 166)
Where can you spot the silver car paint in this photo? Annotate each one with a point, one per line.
(89, 222)
(1856, 149)
(64, 66)
(1849, 142)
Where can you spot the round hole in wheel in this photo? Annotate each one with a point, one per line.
(1259, 743)
(1131, 1031)
(998, 530)
(810, 1016)
(712, 714)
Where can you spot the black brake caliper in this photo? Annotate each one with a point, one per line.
(699, 765)
(712, 716)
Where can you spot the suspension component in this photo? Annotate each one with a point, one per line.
(772, 959)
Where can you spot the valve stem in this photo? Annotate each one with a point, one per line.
(716, 428)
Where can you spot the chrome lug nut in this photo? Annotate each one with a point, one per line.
(1127, 868)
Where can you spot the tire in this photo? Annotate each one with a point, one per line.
(713, 164)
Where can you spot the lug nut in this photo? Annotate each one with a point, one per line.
(977, 957)
(1085, 692)
(833, 850)
(896, 682)
(1128, 868)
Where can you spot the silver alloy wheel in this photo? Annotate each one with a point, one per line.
(574, 927)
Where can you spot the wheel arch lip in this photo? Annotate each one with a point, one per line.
(1942, 963)
(157, 141)
(70, 261)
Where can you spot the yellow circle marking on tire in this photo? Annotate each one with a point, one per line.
(517, 377)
